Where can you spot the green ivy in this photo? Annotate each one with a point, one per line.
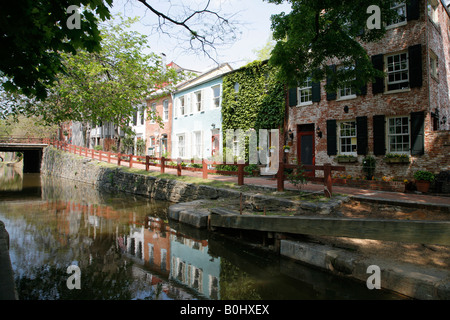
(260, 101)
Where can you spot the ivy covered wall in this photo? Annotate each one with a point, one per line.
(252, 98)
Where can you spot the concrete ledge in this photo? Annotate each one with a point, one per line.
(7, 286)
(189, 213)
(407, 279)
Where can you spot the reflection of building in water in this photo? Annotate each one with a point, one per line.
(193, 266)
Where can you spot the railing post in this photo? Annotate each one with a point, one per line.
(204, 169)
(178, 167)
(147, 163)
(280, 177)
(163, 164)
(92, 154)
(131, 161)
(327, 180)
(118, 159)
(241, 174)
(100, 155)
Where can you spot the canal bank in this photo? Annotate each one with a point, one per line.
(410, 279)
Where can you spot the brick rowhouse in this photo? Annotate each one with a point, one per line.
(405, 113)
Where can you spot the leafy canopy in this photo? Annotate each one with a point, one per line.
(107, 85)
(34, 35)
(318, 33)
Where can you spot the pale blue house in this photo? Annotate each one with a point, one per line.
(197, 118)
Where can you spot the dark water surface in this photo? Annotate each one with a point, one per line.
(125, 248)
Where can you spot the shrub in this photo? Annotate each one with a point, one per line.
(424, 175)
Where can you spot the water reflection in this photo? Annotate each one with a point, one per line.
(127, 249)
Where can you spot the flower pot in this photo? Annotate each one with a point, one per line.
(286, 150)
(422, 185)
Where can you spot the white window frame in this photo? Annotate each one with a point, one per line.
(216, 98)
(395, 134)
(199, 105)
(181, 148)
(197, 144)
(343, 133)
(305, 93)
(153, 108)
(433, 14)
(434, 65)
(166, 110)
(396, 71)
(346, 92)
(182, 106)
(398, 6)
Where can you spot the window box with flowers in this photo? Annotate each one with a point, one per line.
(397, 158)
(286, 149)
(346, 159)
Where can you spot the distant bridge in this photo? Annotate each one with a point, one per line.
(31, 149)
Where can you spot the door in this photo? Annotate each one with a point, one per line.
(215, 144)
(306, 146)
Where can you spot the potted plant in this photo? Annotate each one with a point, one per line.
(286, 149)
(423, 180)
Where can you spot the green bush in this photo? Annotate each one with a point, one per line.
(424, 175)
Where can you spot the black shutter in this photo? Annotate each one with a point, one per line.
(361, 135)
(331, 138)
(379, 139)
(331, 95)
(316, 92)
(378, 64)
(292, 97)
(417, 133)
(412, 10)
(415, 66)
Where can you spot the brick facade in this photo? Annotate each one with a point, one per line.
(155, 134)
(429, 98)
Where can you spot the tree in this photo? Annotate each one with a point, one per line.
(109, 85)
(34, 35)
(319, 33)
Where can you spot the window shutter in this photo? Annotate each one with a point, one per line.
(412, 10)
(379, 138)
(361, 135)
(363, 89)
(331, 138)
(331, 95)
(292, 92)
(415, 66)
(316, 92)
(417, 133)
(378, 64)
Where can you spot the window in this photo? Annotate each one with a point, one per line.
(433, 6)
(400, 8)
(398, 134)
(153, 112)
(166, 110)
(397, 71)
(434, 67)
(346, 92)
(197, 152)
(347, 137)
(142, 114)
(182, 106)
(198, 101)
(236, 87)
(181, 145)
(216, 96)
(305, 93)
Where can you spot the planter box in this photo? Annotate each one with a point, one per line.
(396, 160)
(423, 186)
(347, 160)
(396, 186)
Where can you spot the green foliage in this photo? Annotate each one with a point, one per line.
(98, 148)
(424, 175)
(396, 156)
(315, 33)
(297, 176)
(35, 36)
(260, 102)
(140, 147)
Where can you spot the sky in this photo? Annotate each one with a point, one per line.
(252, 17)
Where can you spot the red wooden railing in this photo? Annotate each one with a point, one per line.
(163, 163)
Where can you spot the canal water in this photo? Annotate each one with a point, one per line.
(124, 247)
